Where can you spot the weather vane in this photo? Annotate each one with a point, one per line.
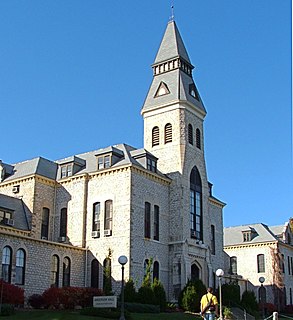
(172, 11)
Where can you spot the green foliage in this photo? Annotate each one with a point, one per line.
(130, 294)
(190, 296)
(107, 274)
(159, 294)
(146, 295)
(148, 274)
(7, 310)
(249, 302)
(230, 292)
(105, 313)
(227, 313)
(141, 308)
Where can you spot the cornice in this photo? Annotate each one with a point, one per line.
(109, 171)
(45, 180)
(19, 180)
(217, 202)
(151, 175)
(14, 232)
(250, 245)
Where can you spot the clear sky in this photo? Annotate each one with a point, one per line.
(74, 75)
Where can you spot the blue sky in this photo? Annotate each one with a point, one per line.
(75, 73)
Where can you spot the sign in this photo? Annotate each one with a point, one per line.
(105, 302)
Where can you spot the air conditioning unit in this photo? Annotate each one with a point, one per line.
(107, 233)
(95, 234)
(44, 238)
(193, 233)
(9, 222)
(62, 239)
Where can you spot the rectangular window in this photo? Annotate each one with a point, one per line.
(289, 267)
(45, 223)
(104, 162)
(233, 265)
(66, 170)
(108, 215)
(63, 222)
(151, 165)
(96, 216)
(246, 236)
(260, 263)
(147, 220)
(213, 240)
(156, 222)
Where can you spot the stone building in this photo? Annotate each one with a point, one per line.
(263, 258)
(64, 221)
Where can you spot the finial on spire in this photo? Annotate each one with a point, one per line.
(172, 11)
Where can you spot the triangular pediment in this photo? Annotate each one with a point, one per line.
(162, 90)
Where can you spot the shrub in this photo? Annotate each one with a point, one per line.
(146, 295)
(190, 296)
(159, 294)
(11, 294)
(105, 313)
(7, 310)
(68, 297)
(230, 292)
(130, 294)
(249, 302)
(36, 301)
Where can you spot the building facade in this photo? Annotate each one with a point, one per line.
(65, 221)
(263, 258)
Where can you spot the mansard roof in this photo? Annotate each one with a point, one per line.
(20, 213)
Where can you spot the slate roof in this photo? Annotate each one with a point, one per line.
(21, 214)
(262, 233)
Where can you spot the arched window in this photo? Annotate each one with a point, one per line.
(155, 136)
(233, 265)
(108, 217)
(190, 134)
(147, 220)
(198, 138)
(20, 266)
(96, 216)
(107, 283)
(168, 133)
(66, 272)
(262, 294)
(260, 263)
(195, 204)
(6, 263)
(194, 272)
(45, 223)
(95, 273)
(55, 271)
(63, 222)
(156, 271)
(156, 222)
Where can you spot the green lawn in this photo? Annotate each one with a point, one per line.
(67, 315)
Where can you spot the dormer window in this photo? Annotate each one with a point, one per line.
(66, 170)
(151, 165)
(193, 92)
(6, 217)
(104, 162)
(246, 236)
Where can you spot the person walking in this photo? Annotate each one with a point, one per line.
(209, 305)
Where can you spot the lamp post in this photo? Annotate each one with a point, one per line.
(219, 274)
(122, 260)
(261, 295)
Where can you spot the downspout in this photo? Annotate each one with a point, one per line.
(55, 209)
(85, 267)
(84, 222)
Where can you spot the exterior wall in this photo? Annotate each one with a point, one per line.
(287, 252)
(38, 262)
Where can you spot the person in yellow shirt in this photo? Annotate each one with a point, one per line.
(209, 305)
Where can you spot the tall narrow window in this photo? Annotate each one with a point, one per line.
(195, 272)
(108, 215)
(289, 267)
(195, 204)
(147, 220)
(55, 271)
(233, 265)
(190, 134)
(95, 273)
(6, 264)
(155, 136)
(20, 266)
(198, 138)
(66, 272)
(168, 133)
(96, 216)
(213, 240)
(262, 295)
(282, 265)
(260, 263)
(156, 222)
(156, 270)
(63, 222)
(45, 223)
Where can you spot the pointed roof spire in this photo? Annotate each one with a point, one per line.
(171, 45)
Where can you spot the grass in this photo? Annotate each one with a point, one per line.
(74, 315)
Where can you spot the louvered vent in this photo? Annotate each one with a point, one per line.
(168, 133)
(155, 136)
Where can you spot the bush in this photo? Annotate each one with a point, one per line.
(146, 295)
(105, 313)
(130, 294)
(69, 297)
(230, 292)
(190, 296)
(7, 310)
(141, 308)
(11, 294)
(249, 302)
(36, 301)
(159, 294)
